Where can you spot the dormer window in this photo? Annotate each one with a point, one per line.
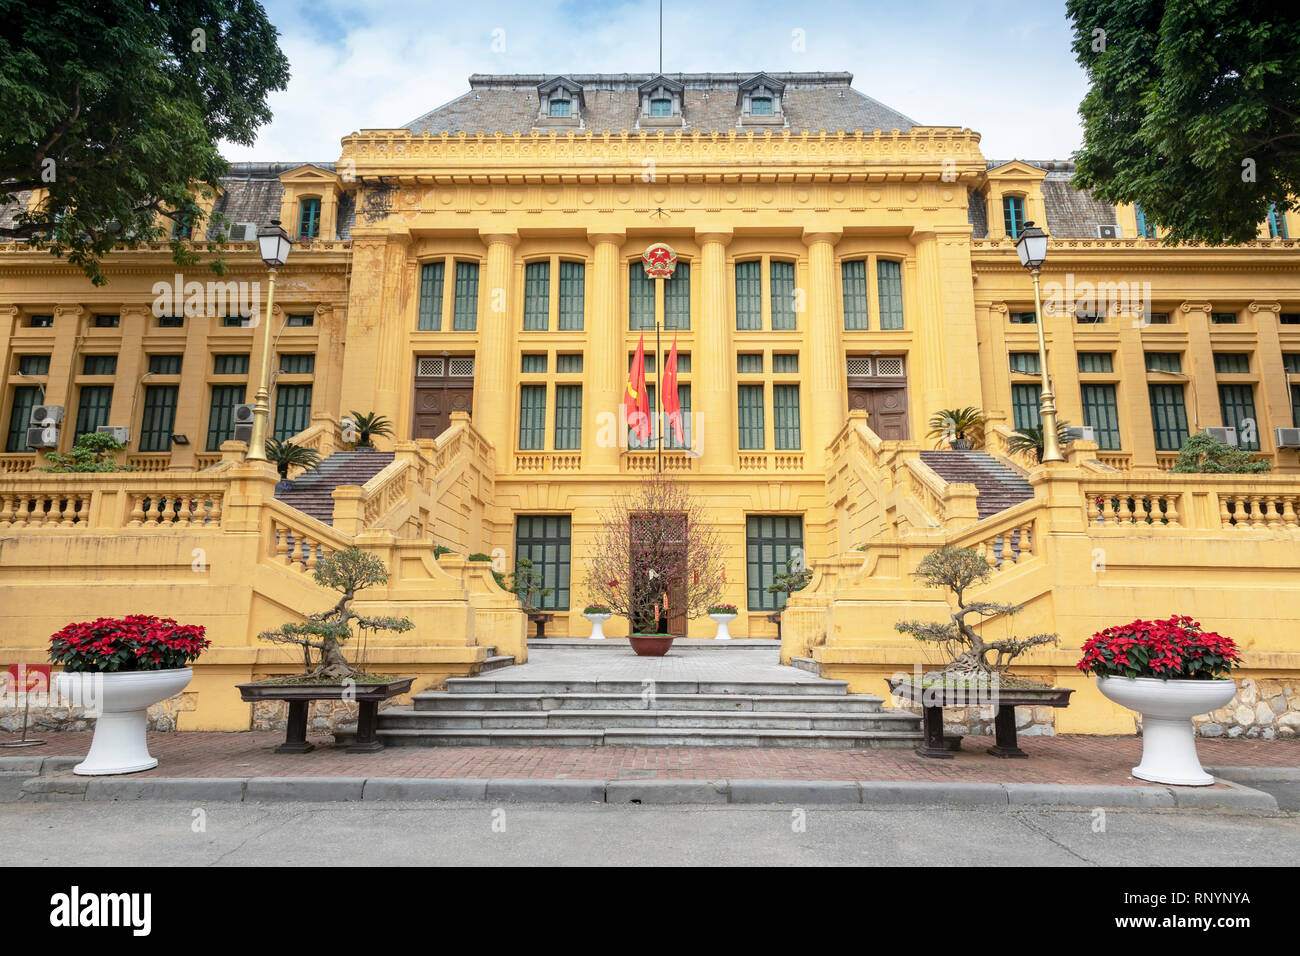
(559, 102)
(759, 99)
(309, 218)
(760, 105)
(660, 99)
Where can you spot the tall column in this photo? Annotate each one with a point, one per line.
(827, 406)
(376, 331)
(493, 396)
(604, 371)
(713, 367)
(1135, 433)
(1273, 403)
(194, 400)
(1203, 399)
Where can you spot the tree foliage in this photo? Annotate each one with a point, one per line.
(1193, 111)
(957, 570)
(364, 425)
(285, 455)
(1029, 440)
(92, 452)
(1203, 454)
(115, 110)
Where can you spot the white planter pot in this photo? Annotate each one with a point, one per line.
(722, 620)
(1167, 708)
(597, 622)
(120, 702)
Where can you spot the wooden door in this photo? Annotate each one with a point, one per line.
(878, 386)
(442, 386)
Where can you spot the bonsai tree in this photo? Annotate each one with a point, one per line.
(526, 585)
(368, 425)
(795, 577)
(656, 554)
(957, 425)
(346, 572)
(957, 571)
(92, 452)
(285, 455)
(1029, 440)
(1203, 454)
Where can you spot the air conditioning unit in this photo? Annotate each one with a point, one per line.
(1287, 437)
(1108, 232)
(43, 437)
(1226, 435)
(120, 432)
(44, 415)
(244, 423)
(1080, 433)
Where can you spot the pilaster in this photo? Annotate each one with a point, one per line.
(828, 399)
(603, 370)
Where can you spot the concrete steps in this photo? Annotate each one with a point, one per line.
(998, 486)
(651, 737)
(438, 702)
(312, 490)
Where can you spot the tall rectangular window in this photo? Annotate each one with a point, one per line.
(1168, 416)
(1013, 215)
(573, 296)
(292, 410)
(159, 417)
(1276, 223)
(221, 414)
(465, 312)
(298, 363)
(853, 281)
(1237, 403)
(99, 365)
(236, 364)
(670, 435)
(771, 541)
(1026, 362)
(537, 296)
(1231, 363)
(782, 288)
(431, 276)
(1101, 411)
(309, 219)
(785, 417)
(640, 299)
(1295, 406)
(1025, 405)
(92, 408)
(568, 417)
(749, 295)
(750, 407)
(1164, 362)
(532, 417)
(889, 279)
(1145, 229)
(677, 298)
(34, 365)
(165, 364)
(26, 397)
(545, 541)
(1096, 362)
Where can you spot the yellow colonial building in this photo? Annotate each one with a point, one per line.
(843, 273)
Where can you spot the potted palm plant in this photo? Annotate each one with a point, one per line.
(285, 455)
(962, 428)
(1029, 440)
(365, 426)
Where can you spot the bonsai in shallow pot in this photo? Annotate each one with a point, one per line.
(118, 668)
(597, 614)
(1168, 671)
(722, 615)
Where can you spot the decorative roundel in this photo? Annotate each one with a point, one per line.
(659, 260)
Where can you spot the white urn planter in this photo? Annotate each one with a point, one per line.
(1167, 708)
(121, 700)
(723, 621)
(597, 625)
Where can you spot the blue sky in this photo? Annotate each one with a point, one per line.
(1002, 69)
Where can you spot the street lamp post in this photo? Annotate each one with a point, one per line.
(1032, 249)
(273, 243)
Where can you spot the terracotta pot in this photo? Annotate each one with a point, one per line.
(650, 645)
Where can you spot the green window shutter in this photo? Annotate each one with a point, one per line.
(92, 408)
(1025, 409)
(26, 397)
(749, 295)
(651, 441)
(34, 365)
(670, 436)
(230, 365)
(431, 276)
(770, 542)
(1295, 406)
(782, 282)
(99, 365)
(1022, 318)
(1231, 363)
(465, 312)
(1276, 223)
(1013, 215)
(1096, 362)
(785, 417)
(853, 280)
(640, 298)
(221, 414)
(533, 363)
(545, 541)
(292, 410)
(159, 417)
(573, 293)
(749, 362)
(786, 364)
(568, 363)
(1101, 411)
(761, 106)
(165, 364)
(1164, 362)
(1237, 402)
(750, 406)
(532, 417)
(661, 107)
(1291, 363)
(298, 363)
(1168, 416)
(1026, 362)
(1145, 229)
(309, 219)
(677, 298)
(889, 278)
(568, 417)
(537, 296)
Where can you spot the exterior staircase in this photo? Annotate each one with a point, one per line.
(311, 492)
(999, 487)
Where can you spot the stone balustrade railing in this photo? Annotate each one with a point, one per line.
(1159, 503)
(111, 501)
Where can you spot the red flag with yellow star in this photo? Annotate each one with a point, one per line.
(636, 401)
(672, 406)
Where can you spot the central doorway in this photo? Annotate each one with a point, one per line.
(659, 542)
(878, 386)
(443, 384)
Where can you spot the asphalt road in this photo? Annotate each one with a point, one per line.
(252, 834)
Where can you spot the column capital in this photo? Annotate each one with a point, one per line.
(606, 237)
(510, 239)
(1196, 307)
(812, 237)
(719, 236)
(1263, 306)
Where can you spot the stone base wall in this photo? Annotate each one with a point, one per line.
(1262, 709)
(323, 716)
(45, 716)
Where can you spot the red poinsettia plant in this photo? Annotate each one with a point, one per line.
(136, 642)
(1174, 649)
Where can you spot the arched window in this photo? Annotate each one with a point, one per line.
(1013, 215)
